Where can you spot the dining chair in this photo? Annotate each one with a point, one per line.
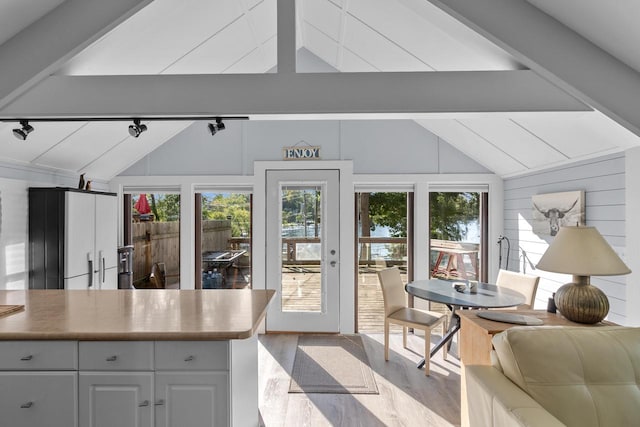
(396, 311)
(526, 284)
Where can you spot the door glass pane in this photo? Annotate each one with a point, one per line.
(226, 240)
(301, 233)
(155, 232)
(382, 243)
(455, 235)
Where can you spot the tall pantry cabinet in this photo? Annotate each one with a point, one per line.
(72, 239)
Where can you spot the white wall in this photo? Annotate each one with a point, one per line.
(383, 146)
(15, 181)
(632, 257)
(603, 180)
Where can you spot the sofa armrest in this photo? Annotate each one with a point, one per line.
(493, 400)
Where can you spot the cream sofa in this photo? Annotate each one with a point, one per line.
(557, 376)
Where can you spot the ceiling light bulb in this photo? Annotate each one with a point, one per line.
(24, 131)
(218, 126)
(136, 128)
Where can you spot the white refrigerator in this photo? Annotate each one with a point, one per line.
(90, 253)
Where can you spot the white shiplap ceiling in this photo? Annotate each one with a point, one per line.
(230, 36)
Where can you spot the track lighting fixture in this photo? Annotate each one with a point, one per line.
(218, 126)
(24, 131)
(136, 128)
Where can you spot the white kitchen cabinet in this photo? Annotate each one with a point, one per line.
(129, 383)
(106, 245)
(191, 399)
(72, 239)
(29, 399)
(37, 379)
(115, 399)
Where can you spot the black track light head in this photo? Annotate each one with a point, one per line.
(24, 131)
(136, 128)
(218, 126)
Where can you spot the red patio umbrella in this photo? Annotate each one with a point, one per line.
(142, 205)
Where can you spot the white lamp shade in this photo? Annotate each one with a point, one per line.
(581, 251)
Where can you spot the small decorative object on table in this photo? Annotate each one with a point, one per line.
(81, 182)
(88, 186)
(473, 286)
(551, 304)
(459, 286)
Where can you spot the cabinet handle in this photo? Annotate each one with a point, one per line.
(26, 405)
(90, 273)
(104, 272)
(189, 358)
(159, 402)
(25, 358)
(112, 358)
(144, 403)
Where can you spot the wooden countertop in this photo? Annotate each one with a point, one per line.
(141, 314)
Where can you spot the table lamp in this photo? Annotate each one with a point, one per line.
(582, 252)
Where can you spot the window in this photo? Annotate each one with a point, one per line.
(456, 235)
(223, 243)
(154, 231)
(383, 227)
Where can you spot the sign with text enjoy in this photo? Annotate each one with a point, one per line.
(298, 152)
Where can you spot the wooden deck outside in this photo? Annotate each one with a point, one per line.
(301, 292)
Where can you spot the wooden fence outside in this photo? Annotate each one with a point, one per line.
(160, 242)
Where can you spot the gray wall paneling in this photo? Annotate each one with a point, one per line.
(603, 180)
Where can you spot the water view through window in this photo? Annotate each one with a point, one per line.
(382, 243)
(301, 231)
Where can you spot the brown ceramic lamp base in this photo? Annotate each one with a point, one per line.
(582, 302)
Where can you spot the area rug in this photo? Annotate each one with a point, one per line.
(332, 364)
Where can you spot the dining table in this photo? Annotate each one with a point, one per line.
(444, 291)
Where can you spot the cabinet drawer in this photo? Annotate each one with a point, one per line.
(116, 355)
(38, 355)
(192, 355)
(30, 399)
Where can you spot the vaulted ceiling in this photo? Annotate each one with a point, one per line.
(596, 110)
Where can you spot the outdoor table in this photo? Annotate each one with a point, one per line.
(220, 261)
(442, 291)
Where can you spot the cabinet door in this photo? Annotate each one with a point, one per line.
(79, 282)
(79, 234)
(115, 399)
(106, 233)
(108, 279)
(192, 399)
(30, 399)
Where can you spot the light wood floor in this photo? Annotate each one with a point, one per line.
(407, 397)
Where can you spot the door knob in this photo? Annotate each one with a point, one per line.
(332, 263)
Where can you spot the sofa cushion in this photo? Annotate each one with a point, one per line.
(584, 376)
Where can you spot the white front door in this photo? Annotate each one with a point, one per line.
(303, 250)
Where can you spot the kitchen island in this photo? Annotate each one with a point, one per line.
(131, 357)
